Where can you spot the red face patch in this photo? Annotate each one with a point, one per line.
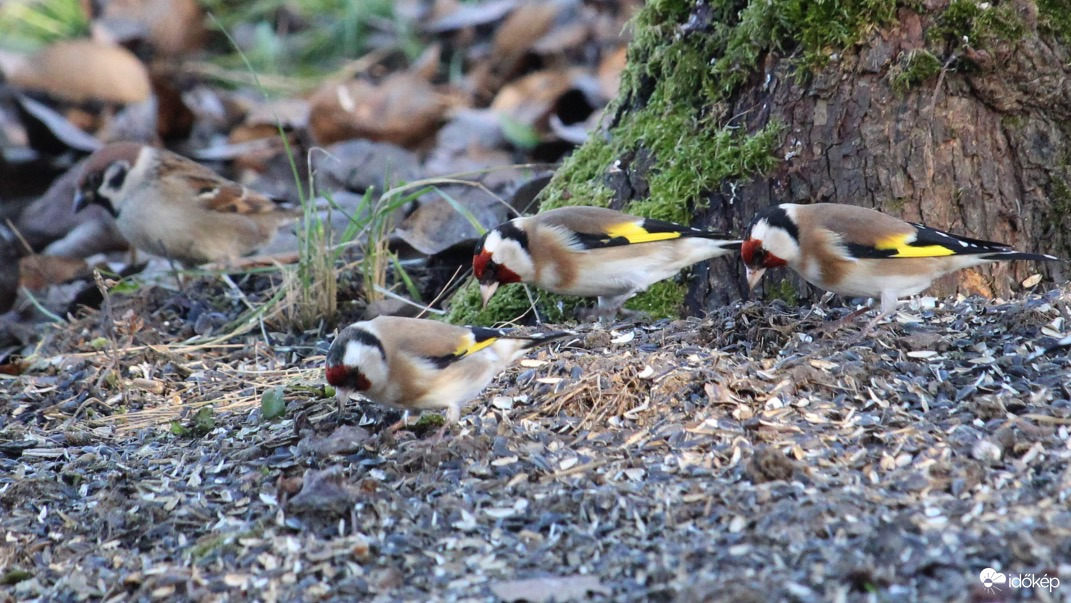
(479, 263)
(755, 256)
(341, 376)
(772, 261)
(486, 270)
(336, 375)
(747, 250)
(506, 276)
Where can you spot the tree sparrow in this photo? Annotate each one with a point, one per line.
(176, 208)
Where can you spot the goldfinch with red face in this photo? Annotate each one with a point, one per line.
(176, 208)
(861, 252)
(417, 364)
(591, 252)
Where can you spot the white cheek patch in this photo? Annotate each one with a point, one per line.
(759, 229)
(368, 360)
(781, 244)
(510, 254)
(135, 174)
(493, 241)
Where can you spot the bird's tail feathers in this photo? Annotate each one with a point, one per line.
(536, 339)
(1019, 255)
(725, 239)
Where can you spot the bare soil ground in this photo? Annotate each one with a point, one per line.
(745, 456)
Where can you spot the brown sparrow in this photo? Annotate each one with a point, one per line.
(176, 208)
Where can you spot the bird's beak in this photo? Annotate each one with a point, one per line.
(753, 277)
(342, 395)
(486, 291)
(80, 201)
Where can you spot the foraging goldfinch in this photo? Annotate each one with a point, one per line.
(591, 252)
(417, 364)
(861, 252)
(174, 207)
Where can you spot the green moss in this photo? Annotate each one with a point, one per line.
(783, 291)
(977, 24)
(1060, 194)
(694, 159)
(685, 63)
(508, 304)
(584, 176)
(914, 68)
(1054, 18)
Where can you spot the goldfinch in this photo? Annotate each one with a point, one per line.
(591, 252)
(417, 364)
(176, 208)
(861, 252)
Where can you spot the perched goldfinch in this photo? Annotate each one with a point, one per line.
(417, 364)
(591, 252)
(861, 252)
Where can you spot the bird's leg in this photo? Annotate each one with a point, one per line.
(532, 303)
(838, 324)
(453, 417)
(888, 308)
(607, 309)
(401, 423)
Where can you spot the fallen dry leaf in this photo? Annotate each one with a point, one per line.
(437, 224)
(83, 70)
(519, 32)
(531, 99)
(609, 72)
(169, 26)
(39, 271)
(404, 109)
(57, 129)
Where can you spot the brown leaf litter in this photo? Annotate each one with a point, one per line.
(745, 455)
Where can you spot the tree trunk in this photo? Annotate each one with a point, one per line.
(954, 114)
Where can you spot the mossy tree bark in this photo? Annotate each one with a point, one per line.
(956, 114)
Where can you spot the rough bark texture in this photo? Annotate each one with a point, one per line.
(982, 148)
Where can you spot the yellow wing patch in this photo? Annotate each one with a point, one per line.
(634, 233)
(469, 345)
(903, 249)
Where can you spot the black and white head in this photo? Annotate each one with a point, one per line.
(771, 240)
(502, 257)
(105, 177)
(356, 361)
